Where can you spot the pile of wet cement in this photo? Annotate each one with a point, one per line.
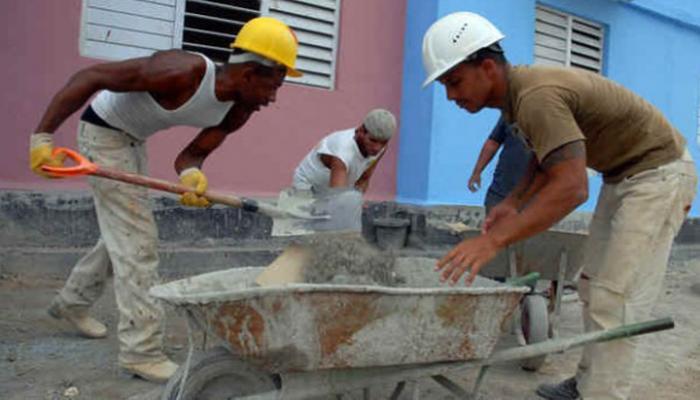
(347, 259)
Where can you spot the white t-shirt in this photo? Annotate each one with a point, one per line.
(312, 174)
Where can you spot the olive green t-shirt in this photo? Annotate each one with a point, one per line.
(624, 134)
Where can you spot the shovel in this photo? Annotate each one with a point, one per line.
(337, 210)
(86, 167)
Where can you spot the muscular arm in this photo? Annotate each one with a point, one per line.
(531, 182)
(160, 73)
(561, 186)
(209, 139)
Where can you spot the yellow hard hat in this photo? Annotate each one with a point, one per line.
(272, 39)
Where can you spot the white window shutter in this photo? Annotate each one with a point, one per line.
(121, 29)
(562, 39)
(315, 23)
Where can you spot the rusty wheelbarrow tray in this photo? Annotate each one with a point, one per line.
(306, 327)
(299, 341)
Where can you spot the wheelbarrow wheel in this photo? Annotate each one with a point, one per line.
(217, 375)
(535, 327)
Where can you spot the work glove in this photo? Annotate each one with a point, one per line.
(40, 153)
(194, 178)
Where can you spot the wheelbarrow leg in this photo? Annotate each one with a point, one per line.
(397, 390)
(559, 291)
(452, 387)
(415, 393)
(516, 321)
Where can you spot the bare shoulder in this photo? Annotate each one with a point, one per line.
(174, 67)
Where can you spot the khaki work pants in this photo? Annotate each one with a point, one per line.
(630, 240)
(127, 247)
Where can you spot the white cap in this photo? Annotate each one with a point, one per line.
(453, 38)
(380, 124)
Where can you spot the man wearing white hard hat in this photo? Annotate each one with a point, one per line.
(346, 158)
(572, 119)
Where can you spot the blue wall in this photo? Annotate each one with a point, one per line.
(652, 47)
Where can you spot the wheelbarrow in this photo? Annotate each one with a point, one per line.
(556, 255)
(300, 341)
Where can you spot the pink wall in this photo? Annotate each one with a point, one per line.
(40, 52)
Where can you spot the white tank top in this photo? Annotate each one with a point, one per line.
(139, 115)
(312, 174)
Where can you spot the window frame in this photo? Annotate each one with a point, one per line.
(323, 62)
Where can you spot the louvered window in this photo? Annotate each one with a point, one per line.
(120, 29)
(566, 40)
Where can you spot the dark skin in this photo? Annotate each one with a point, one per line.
(172, 77)
(551, 189)
(368, 147)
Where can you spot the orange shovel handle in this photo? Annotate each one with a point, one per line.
(86, 167)
(83, 167)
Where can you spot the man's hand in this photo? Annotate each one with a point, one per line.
(193, 177)
(41, 153)
(474, 182)
(470, 254)
(500, 212)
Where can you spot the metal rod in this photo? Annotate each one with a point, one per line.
(479, 380)
(559, 291)
(397, 390)
(452, 387)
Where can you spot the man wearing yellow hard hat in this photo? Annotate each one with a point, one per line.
(135, 99)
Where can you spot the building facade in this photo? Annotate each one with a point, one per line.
(358, 54)
(650, 46)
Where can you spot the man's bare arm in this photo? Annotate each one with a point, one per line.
(486, 154)
(161, 72)
(339, 172)
(362, 183)
(563, 186)
(209, 139)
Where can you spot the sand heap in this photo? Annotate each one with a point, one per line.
(347, 259)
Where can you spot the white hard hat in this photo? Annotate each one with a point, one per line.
(380, 124)
(453, 38)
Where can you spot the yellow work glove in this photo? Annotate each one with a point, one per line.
(193, 177)
(40, 149)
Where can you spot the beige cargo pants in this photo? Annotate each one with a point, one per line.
(127, 247)
(630, 240)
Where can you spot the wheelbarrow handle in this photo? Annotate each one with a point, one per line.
(527, 280)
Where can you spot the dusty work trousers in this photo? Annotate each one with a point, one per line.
(127, 247)
(630, 240)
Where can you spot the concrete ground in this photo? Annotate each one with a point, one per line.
(42, 359)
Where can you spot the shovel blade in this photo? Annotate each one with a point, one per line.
(343, 208)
